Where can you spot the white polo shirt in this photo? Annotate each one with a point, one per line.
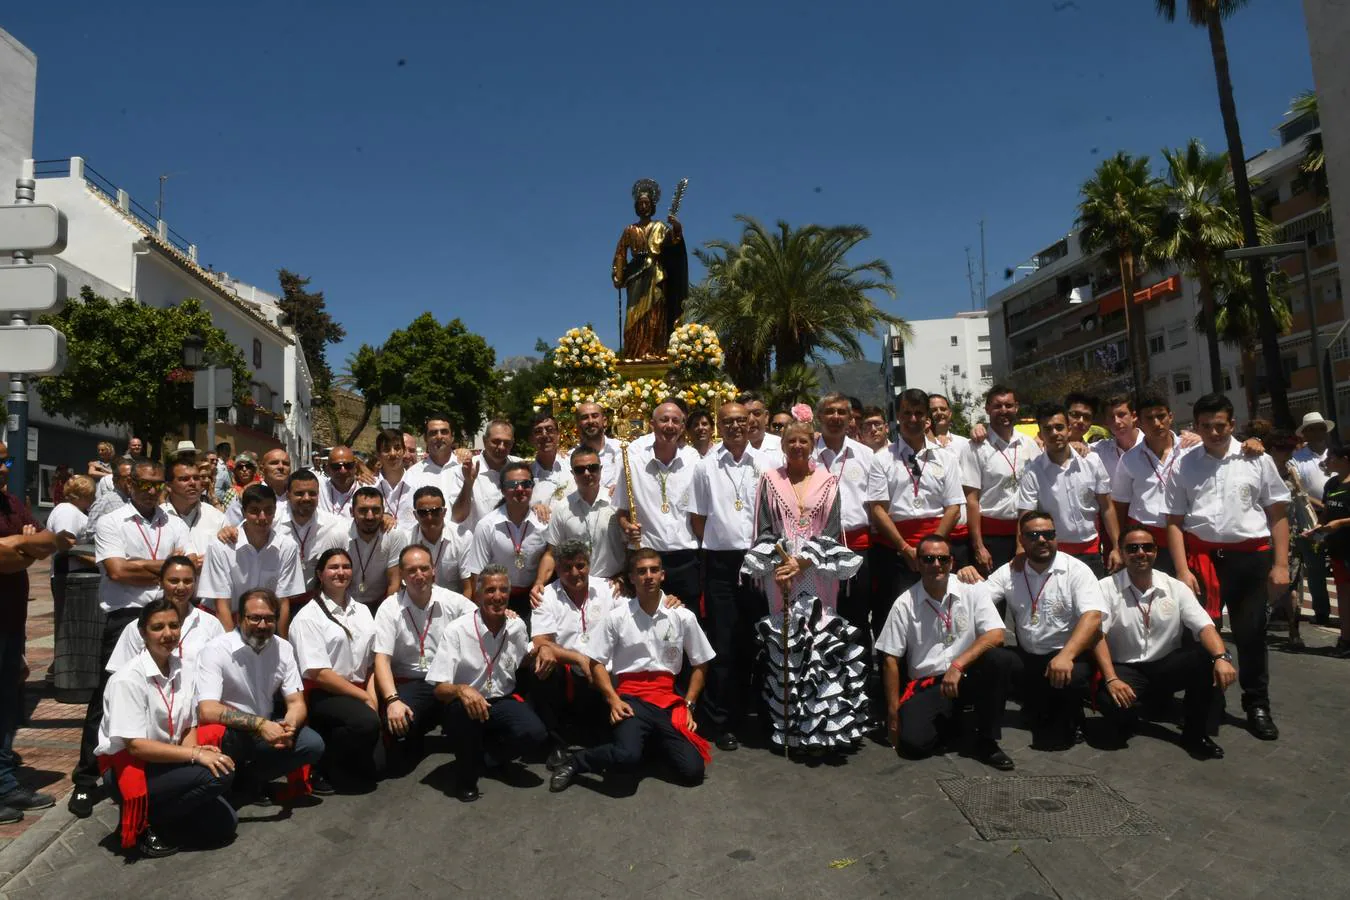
(334, 501)
(468, 653)
(320, 643)
(1109, 453)
(850, 465)
(930, 633)
(1308, 462)
(230, 570)
(573, 518)
(1069, 493)
(1060, 595)
(232, 673)
(203, 523)
(1146, 626)
(309, 537)
(126, 534)
(551, 483)
(371, 559)
(664, 496)
(891, 480)
(398, 500)
(517, 547)
(770, 443)
(1140, 481)
(447, 553)
(140, 703)
(573, 627)
(1225, 500)
(632, 641)
(726, 490)
(409, 636)
(611, 462)
(198, 630)
(487, 489)
(995, 468)
(234, 513)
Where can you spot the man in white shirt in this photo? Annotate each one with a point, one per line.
(1123, 423)
(1058, 615)
(337, 490)
(203, 522)
(260, 557)
(1144, 653)
(1226, 513)
(1139, 485)
(1307, 461)
(940, 424)
(396, 489)
(591, 423)
(1073, 489)
(551, 473)
(442, 458)
(512, 536)
(474, 674)
(239, 676)
(725, 498)
(373, 550)
(447, 545)
(476, 488)
(644, 645)
(276, 472)
(991, 473)
(653, 510)
(758, 433)
(849, 461)
(307, 521)
(951, 636)
(587, 514)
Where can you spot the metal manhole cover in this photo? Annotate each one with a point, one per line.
(1045, 806)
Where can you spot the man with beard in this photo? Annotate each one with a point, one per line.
(592, 422)
(239, 675)
(276, 472)
(373, 550)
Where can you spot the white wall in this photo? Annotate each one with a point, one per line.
(1328, 37)
(930, 355)
(18, 91)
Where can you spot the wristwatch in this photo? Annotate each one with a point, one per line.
(1225, 656)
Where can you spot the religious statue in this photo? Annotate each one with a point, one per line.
(651, 264)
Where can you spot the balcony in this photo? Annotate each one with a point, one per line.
(1294, 206)
(1327, 314)
(1161, 290)
(1321, 256)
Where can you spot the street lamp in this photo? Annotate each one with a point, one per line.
(1323, 386)
(196, 358)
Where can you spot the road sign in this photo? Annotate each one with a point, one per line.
(224, 387)
(32, 444)
(391, 416)
(32, 350)
(38, 227)
(37, 289)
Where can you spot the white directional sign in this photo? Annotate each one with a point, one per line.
(37, 289)
(201, 381)
(391, 415)
(32, 349)
(38, 227)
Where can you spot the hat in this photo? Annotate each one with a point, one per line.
(185, 447)
(1314, 418)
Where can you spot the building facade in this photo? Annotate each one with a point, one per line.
(942, 356)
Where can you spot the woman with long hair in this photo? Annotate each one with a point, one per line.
(178, 584)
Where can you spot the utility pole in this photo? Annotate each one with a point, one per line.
(970, 278)
(984, 272)
(159, 204)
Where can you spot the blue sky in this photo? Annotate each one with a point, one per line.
(475, 159)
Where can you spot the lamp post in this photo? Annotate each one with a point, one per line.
(196, 358)
(1324, 393)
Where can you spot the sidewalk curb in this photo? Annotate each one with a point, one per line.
(29, 846)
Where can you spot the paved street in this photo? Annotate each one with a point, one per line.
(1271, 819)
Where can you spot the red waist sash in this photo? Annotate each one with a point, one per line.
(912, 530)
(1078, 547)
(998, 527)
(1201, 563)
(131, 786)
(918, 684)
(858, 538)
(960, 533)
(658, 689)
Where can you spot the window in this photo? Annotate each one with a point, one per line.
(986, 371)
(1178, 335)
(1155, 343)
(1181, 382)
(1227, 380)
(955, 341)
(257, 354)
(982, 339)
(956, 370)
(1340, 349)
(1288, 364)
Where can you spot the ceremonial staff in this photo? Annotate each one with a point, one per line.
(787, 667)
(632, 497)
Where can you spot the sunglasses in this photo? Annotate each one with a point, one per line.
(434, 512)
(342, 465)
(940, 559)
(1046, 535)
(7, 462)
(589, 469)
(1141, 548)
(244, 465)
(523, 483)
(146, 486)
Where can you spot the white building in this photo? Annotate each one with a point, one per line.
(941, 356)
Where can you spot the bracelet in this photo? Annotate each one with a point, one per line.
(391, 698)
(958, 667)
(195, 751)
(1113, 678)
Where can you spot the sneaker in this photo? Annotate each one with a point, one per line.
(81, 803)
(22, 798)
(320, 786)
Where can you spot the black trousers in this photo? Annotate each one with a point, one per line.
(420, 696)
(350, 730)
(258, 763)
(855, 599)
(684, 578)
(1242, 589)
(1093, 561)
(733, 607)
(648, 723)
(1187, 668)
(586, 710)
(1052, 713)
(985, 685)
(512, 728)
(186, 806)
(86, 770)
(1002, 548)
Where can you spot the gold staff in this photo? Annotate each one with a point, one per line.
(632, 498)
(787, 669)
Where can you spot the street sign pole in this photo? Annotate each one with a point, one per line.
(18, 381)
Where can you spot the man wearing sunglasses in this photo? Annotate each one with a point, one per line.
(115, 499)
(1144, 653)
(1058, 615)
(512, 537)
(339, 487)
(446, 545)
(586, 514)
(951, 636)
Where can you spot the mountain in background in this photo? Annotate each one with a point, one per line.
(861, 379)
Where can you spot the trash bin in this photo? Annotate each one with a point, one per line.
(79, 641)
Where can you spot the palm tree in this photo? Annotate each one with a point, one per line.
(1120, 209)
(1200, 223)
(731, 314)
(792, 292)
(1314, 164)
(1236, 321)
(797, 383)
(1209, 14)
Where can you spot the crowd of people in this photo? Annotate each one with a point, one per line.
(651, 598)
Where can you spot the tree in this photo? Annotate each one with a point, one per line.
(791, 292)
(1201, 222)
(1120, 209)
(1314, 164)
(426, 368)
(964, 405)
(315, 329)
(1209, 14)
(516, 393)
(797, 383)
(1236, 321)
(126, 364)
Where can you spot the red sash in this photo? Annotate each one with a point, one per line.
(998, 527)
(129, 773)
(658, 689)
(1201, 564)
(960, 533)
(916, 685)
(1077, 548)
(858, 538)
(912, 530)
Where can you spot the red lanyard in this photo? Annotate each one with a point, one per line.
(168, 705)
(1162, 476)
(365, 562)
(397, 495)
(482, 646)
(1036, 600)
(518, 542)
(304, 540)
(421, 638)
(944, 618)
(1012, 466)
(1147, 614)
(159, 535)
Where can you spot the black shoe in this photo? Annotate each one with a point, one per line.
(153, 846)
(1202, 747)
(557, 756)
(1342, 649)
(1295, 643)
(81, 803)
(727, 741)
(563, 776)
(1261, 724)
(22, 798)
(992, 755)
(9, 815)
(467, 793)
(320, 786)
